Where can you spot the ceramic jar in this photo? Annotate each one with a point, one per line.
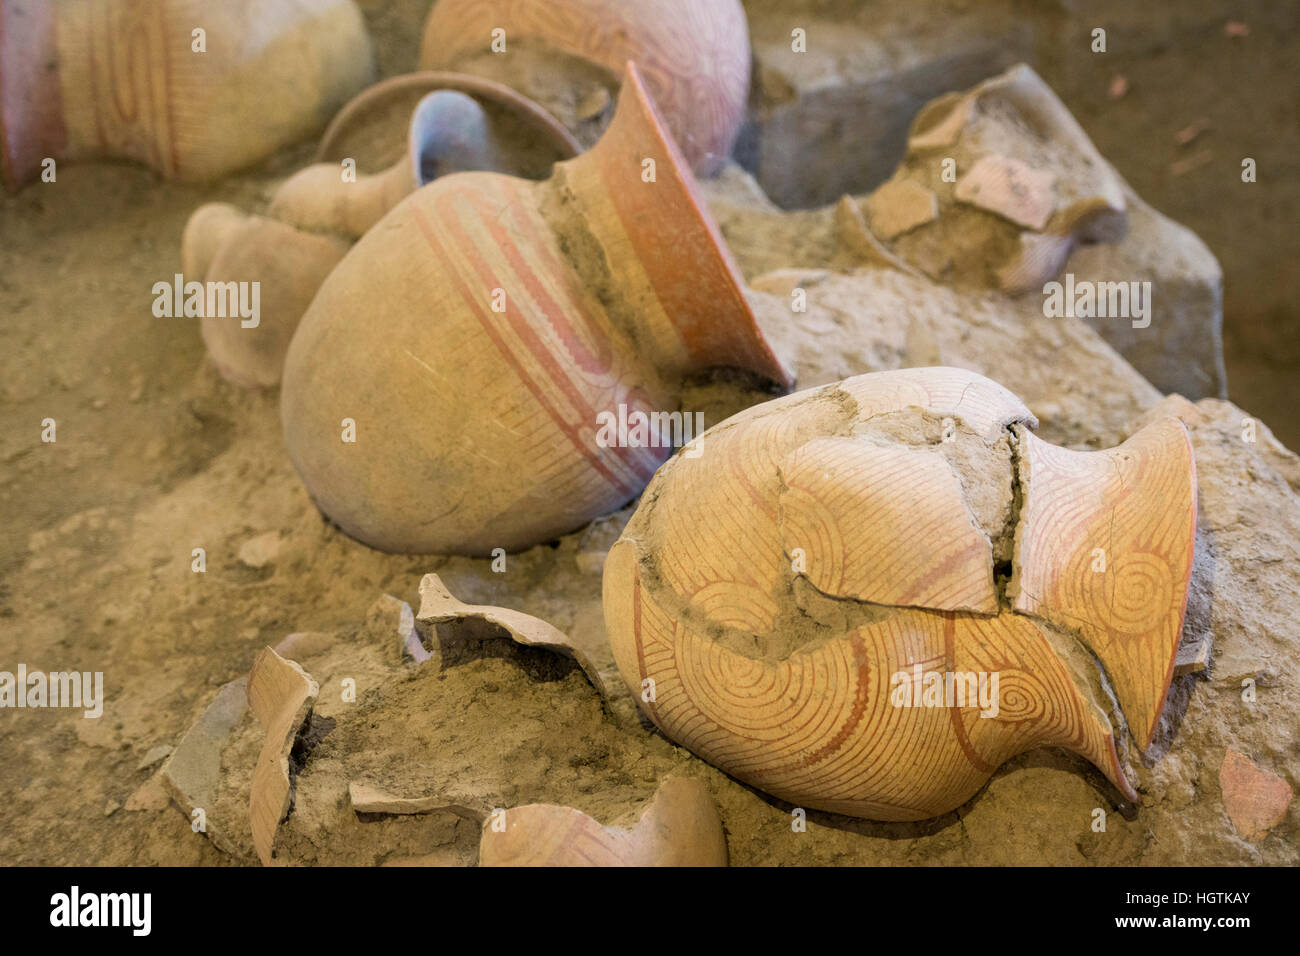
(194, 90)
(866, 597)
(474, 337)
(569, 56)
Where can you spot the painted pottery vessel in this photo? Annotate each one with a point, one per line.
(475, 336)
(694, 57)
(137, 80)
(866, 597)
(458, 123)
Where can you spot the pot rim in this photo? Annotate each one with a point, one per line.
(745, 331)
(431, 81)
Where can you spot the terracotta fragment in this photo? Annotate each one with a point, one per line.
(280, 694)
(899, 207)
(680, 827)
(298, 60)
(776, 601)
(851, 228)
(533, 310)
(1020, 156)
(695, 58)
(370, 799)
(1256, 800)
(1193, 656)
(192, 774)
(1009, 188)
(1104, 547)
(438, 605)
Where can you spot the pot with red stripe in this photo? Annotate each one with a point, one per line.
(446, 390)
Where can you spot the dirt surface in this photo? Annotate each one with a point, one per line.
(157, 456)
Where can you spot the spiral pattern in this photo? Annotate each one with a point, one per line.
(1134, 506)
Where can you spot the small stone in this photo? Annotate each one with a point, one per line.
(1191, 131)
(593, 104)
(1118, 87)
(1010, 188)
(152, 756)
(261, 550)
(1256, 800)
(111, 808)
(1193, 658)
(900, 206)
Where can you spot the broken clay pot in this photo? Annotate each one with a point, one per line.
(281, 695)
(695, 58)
(128, 81)
(818, 605)
(680, 827)
(476, 333)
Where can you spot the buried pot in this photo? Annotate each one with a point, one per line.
(122, 79)
(456, 123)
(819, 604)
(471, 340)
(568, 55)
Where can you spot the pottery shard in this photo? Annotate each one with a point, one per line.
(259, 551)
(900, 206)
(680, 827)
(1256, 800)
(438, 606)
(852, 231)
(366, 798)
(846, 504)
(1011, 189)
(1104, 547)
(192, 774)
(280, 694)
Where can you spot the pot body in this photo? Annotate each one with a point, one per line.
(812, 603)
(131, 84)
(695, 57)
(474, 363)
(482, 333)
